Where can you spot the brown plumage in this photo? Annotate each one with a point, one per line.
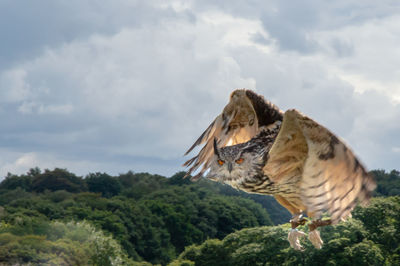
(295, 159)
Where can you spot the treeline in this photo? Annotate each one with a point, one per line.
(47, 216)
(388, 182)
(152, 217)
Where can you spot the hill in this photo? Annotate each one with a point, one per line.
(140, 218)
(152, 218)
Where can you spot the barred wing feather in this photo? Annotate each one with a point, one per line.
(332, 178)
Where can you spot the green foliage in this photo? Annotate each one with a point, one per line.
(370, 239)
(382, 218)
(61, 244)
(181, 263)
(8, 196)
(138, 185)
(152, 218)
(11, 182)
(388, 183)
(179, 179)
(58, 179)
(104, 184)
(278, 214)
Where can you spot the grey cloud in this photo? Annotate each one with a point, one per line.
(130, 95)
(28, 28)
(366, 121)
(130, 86)
(292, 22)
(342, 48)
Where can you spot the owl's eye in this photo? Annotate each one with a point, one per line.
(220, 162)
(239, 161)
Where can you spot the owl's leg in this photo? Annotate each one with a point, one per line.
(294, 235)
(314, 235)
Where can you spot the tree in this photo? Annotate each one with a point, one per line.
(14, 181)
(58, 179)
(103, 183)
(72, 243)
(371, 238)
(388, 183)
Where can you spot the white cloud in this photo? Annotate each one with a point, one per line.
(372, 58)
(136, 88)
(236, 32)
(20, 163)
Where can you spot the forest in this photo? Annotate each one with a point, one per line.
(54, 217)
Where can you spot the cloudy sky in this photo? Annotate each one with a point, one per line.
(122, 85)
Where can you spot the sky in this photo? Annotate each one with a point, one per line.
(112, 86)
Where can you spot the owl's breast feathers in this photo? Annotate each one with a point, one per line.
(261, 183)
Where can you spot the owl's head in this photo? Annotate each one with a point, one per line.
(234, 164)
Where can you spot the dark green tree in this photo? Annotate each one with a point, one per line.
(11, 182)
(58, 179)
(103, 183)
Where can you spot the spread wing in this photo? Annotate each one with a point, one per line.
(332, 177)
(241, 119)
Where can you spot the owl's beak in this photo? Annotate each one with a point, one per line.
(230, 167)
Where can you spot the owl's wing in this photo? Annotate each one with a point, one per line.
(241, 119)
(332, 177)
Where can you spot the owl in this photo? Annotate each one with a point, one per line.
(255, 147)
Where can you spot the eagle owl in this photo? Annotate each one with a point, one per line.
(255, 147)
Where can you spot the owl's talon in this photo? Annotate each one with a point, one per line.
(315, 239)
(314, 235)
(298, 222)
(294, 239)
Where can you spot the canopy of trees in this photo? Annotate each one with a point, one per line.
(371, 238)
(55, 217)
(152, 218)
